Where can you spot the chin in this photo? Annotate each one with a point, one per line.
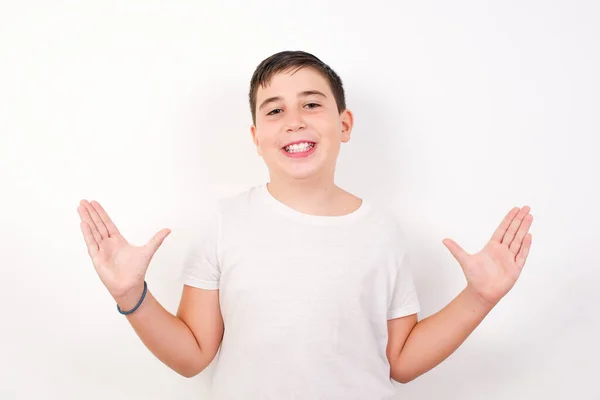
(304, 172)
(298, 169)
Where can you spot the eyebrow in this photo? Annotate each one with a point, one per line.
(301, 94)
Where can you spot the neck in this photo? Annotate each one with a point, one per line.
(316, 196)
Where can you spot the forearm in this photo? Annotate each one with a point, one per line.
(165, 335)
(435, 338)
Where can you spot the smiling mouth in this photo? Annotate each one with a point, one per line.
(299, 147)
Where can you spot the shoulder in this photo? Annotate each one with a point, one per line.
(241, 201)
(385, 217)
(205, 220)
(385, 223)
(210, 210)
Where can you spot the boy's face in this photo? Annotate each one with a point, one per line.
(299, 107)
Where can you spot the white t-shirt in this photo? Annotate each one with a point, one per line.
(305, 299)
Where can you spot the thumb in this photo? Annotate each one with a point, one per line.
(156, 241)
(456, 250)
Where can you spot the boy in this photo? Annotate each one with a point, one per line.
(304, 287)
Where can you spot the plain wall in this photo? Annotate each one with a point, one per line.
(462, 109)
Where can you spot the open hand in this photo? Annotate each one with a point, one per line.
(120, 265)
(493, 271)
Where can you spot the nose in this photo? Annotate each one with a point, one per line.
(294, 121)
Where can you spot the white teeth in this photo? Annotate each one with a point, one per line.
(299, 147)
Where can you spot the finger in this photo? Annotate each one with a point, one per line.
(457, 251)
(97, 220)
(514, 226)
(501, 230)
(87, 218)
(110, 225)
(524, 252)
(154, 243)
(517, 243)
(92, 246)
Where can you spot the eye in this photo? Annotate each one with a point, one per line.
(275, 111)
(312, 105)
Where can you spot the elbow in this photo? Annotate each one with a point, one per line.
(190, 368)
(195, 368)
(402, 374)
(190, 372)
(402, 379)
(186, 374)
(189, 375)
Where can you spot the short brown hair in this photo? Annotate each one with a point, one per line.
(287, 60)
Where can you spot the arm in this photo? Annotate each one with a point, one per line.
(416, 347)
(186, 342)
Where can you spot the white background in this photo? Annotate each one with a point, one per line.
(463, 110)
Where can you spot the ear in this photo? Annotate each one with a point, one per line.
(255, 139)
(347, 120)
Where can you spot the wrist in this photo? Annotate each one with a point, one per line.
(130, 299)
(475, 298)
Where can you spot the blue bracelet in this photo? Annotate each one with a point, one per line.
(137, 305)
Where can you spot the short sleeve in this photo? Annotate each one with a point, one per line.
(404, 299)
(201, 267)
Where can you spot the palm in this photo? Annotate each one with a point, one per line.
(494, 270)
(120, 265)
(119, 262)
